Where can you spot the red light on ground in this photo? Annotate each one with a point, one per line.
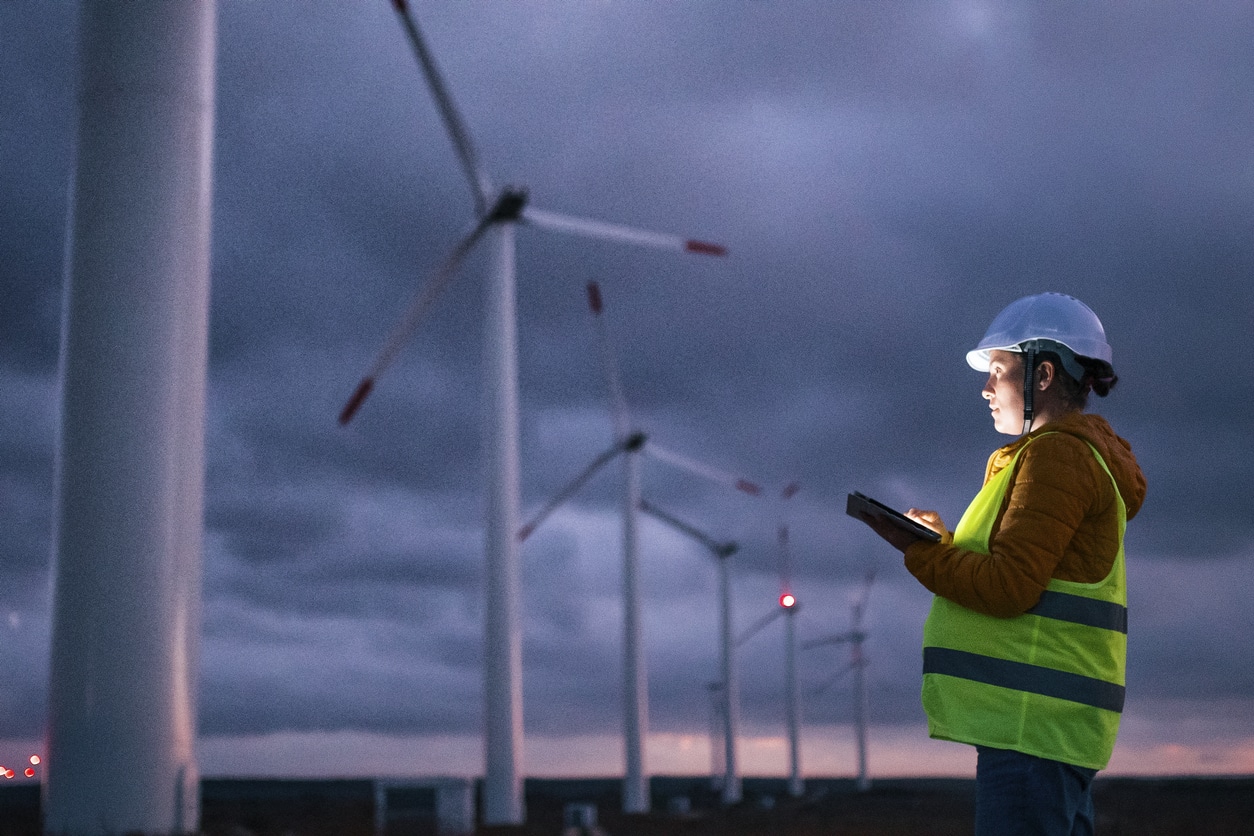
(787, 600)
(34, 760)
(30, 773)
(8, 773)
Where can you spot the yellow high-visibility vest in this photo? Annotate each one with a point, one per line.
(1049, 682)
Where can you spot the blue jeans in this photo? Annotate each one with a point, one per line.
(1023, 795)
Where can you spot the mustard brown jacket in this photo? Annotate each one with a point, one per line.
(1059, 520)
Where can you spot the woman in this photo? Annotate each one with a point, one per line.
(1024, 649)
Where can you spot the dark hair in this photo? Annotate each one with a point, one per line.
(1099, 377)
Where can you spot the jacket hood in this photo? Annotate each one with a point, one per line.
(1116, 452)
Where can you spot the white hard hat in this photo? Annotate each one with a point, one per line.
(1047, 318)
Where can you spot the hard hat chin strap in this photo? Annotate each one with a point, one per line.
(1029, 387)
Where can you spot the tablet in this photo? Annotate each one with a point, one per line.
(860, 504)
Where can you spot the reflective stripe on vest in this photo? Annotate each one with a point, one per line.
(1021, 676)
(1106, 615)
(1049, 682)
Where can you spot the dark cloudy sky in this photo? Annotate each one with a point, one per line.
(886, 176)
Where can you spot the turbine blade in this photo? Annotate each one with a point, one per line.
(839, 638)
(616, 232)
(620, 446)
(785, 560)
(409, 322)
(758, 626)
(618, 403)
(480, 185)
(717, 548)
(785, 552)
(359, 397)
(859, 604)
(712, 473)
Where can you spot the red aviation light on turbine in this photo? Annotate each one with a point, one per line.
(34, 759)
(787, 601)
(30, 772)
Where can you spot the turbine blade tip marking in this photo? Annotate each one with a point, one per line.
(355, 402)
(704, 248)
(525, 532)
(748, 487)
(594, 298)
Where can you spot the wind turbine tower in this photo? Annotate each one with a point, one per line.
(129, 517)
(497, 215)
(792, 696)
(718, 754)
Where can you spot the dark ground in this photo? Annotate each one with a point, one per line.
(913, 807)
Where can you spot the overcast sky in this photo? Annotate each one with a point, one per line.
(886, 177)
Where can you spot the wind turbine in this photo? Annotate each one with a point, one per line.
(854, 637)
(788, 606)
(721, 551)
(497, 213)
(631, 443)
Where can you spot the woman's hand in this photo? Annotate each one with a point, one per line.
(929, 519)
(899, 538)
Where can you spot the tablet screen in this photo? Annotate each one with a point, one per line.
(861, 504)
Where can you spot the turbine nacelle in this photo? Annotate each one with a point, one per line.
(509, 206)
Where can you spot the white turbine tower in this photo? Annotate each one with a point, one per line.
(788, 606)
(858, 662)
(718, 752)
(631, 443)
(129, 520)
(731, 790)
(496, 215)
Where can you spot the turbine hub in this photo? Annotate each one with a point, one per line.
(509, 205)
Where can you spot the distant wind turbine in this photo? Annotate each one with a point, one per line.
(497, 213)
(854, 637)
(631, 443)
(788, 606)
(721, 551)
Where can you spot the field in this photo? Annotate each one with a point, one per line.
(913, 807)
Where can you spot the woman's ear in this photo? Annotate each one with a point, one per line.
(1044, 375)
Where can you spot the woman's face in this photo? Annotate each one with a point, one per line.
(1004, 391)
